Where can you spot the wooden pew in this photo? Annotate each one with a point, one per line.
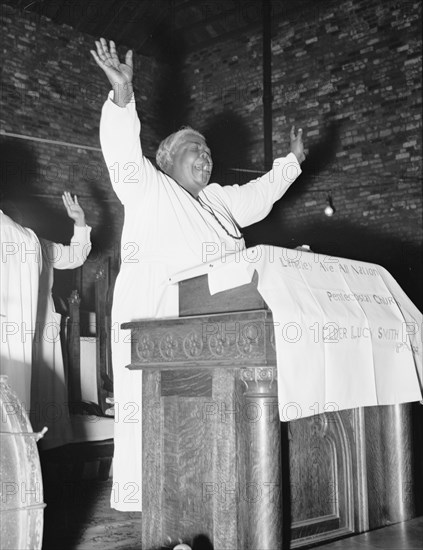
(92, 427)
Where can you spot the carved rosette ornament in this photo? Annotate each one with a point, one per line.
(260, 380)
(219, 345)
(145, 347)
(168, 346)
(248, 339)
(192, 344)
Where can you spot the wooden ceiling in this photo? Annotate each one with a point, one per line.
(153, 27)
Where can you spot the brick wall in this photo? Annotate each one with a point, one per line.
(349, 74)
(51, 94)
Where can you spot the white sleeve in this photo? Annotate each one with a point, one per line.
(72, 255)
(121, 146)
(251, 202)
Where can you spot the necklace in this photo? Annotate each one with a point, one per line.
(209, 209)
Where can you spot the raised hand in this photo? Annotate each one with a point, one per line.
(119, 74)
(73, 209)
(297, 146)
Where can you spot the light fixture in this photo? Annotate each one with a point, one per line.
(330, 209)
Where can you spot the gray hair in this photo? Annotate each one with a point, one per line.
(164, 154)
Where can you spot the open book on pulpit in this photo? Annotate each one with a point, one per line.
(346, 335)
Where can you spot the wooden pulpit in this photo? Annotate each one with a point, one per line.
(219, 466)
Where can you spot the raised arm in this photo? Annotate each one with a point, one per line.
(73, 209)
(251, 202)
(72, 255)
(297, 145)
(119, 74)
(119, 124)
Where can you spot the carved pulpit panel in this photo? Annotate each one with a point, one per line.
(321, 478)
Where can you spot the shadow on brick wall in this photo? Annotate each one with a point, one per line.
(172, 98)
(22, 194)
(228, 137)
(321, 154)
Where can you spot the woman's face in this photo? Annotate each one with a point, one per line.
(192, 163)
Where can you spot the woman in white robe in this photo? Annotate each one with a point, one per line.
(20, 266)
(49, 396)
(173, 220)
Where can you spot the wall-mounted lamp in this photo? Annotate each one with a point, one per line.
(330, 209)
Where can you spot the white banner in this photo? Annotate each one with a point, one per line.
(346, 334)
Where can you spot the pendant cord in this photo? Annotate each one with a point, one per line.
(209, 209)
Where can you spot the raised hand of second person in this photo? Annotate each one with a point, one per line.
(73, 209)
(119, 74)
(297, 146)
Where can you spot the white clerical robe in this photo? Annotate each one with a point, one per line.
(49, 395)
(165, 231)
(20, 266)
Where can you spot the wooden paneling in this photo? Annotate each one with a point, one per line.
(152, 444)
(188, 383)
(195, 297)
(321, 477)
(238, 339)
(389, 455)
(190, 473)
